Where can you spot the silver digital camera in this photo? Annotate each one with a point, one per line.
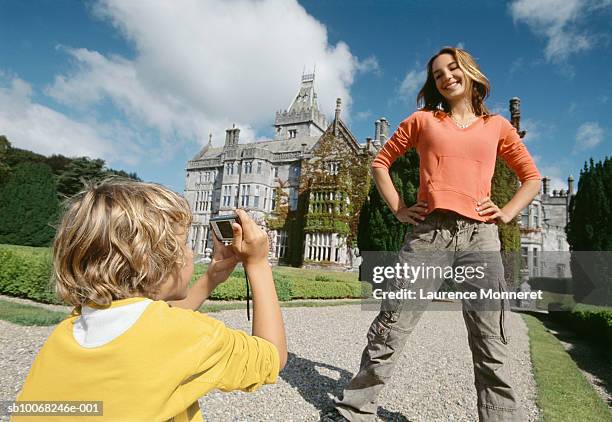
(222, 227)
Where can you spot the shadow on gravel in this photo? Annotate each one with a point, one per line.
(317, 389)
(589, 357)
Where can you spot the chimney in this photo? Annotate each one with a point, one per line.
(570, 185)
(384, 130)
(515, 115)
(231, 136)
(555, 192)
(545, 181)
(377, 130)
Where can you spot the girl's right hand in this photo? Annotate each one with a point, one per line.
(412, 214)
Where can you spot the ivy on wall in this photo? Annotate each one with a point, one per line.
(334, 183)
(333, 186)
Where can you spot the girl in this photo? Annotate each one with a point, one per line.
(134, 343)
(455, 221)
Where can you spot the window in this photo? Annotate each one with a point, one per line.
(246, 191)
(293, 199)
(332, 167)
(292, 133)
(207, 201)
(265, 200)
(273, 200)
(259, 167)
(536, 210)
(281, 244)
(560, 270)
(248, 167)
(274, 172)
(227, 196)
(525, 218)
(229, 168)
(319, 246)
(524, 257)
(536, 262)
(256, 199)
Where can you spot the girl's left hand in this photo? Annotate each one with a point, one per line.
(486, 206)
(223, 262)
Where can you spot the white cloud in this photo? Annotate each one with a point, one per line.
(589, 135)
(369, 65)
(363, 115)
(412, 83)
(208, 64)
(561, 22)
(33, 126)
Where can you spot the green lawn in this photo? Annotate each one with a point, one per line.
(28, 314)
(563, 392)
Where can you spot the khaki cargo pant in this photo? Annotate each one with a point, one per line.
(443, 238)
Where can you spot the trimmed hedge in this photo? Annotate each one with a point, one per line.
(591, 322)
(26, 272)
(561, 285)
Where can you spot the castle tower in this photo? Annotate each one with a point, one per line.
(303, 117)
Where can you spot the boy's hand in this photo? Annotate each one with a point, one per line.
(223, 262)
(250, 242)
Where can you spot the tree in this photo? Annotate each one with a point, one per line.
(379, 230)
(80, 169)
(28, 206)
(589, 233)
(503, 187)
(5, 146)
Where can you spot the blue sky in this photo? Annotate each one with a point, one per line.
(143, 83)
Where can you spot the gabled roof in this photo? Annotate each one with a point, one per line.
(274, 146)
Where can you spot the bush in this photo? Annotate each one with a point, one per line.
(26, 272)
(561, 285)
(591, 322)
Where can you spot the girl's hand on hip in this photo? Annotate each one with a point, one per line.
(487, 208)
(412, 214)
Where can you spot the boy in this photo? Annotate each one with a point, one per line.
(133, 341)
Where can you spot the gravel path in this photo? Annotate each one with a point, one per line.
(433, 382)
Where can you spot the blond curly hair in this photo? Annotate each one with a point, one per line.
(117, 239)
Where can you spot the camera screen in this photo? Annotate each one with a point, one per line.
(225, 227)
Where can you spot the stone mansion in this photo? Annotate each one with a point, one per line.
(248, 175)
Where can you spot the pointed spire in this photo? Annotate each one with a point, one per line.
(337, 118)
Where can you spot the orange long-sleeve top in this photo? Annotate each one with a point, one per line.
(457, 165)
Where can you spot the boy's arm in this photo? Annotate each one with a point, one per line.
(197, 294)
(223, 262)
(251, 245)
(267, 318)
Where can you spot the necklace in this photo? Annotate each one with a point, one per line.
(462, 125)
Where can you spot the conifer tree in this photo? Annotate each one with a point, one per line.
(28, 206)
(589, 233)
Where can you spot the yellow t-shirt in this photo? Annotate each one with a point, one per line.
(154, 371)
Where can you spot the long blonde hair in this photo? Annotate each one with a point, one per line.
(118, 239)
(430, 99)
